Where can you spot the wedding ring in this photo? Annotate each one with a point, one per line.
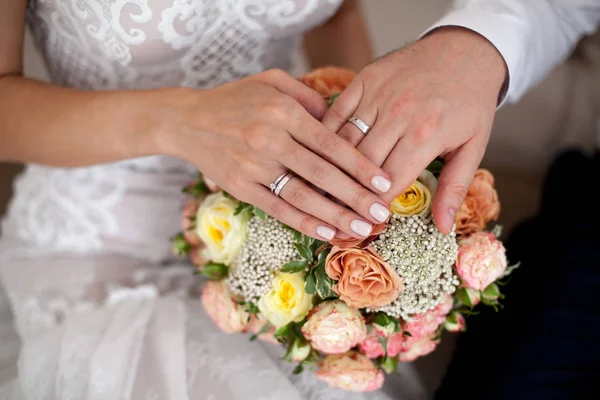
(360, 124)
(277, 186)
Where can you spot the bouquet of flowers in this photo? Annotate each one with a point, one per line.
(349, 309)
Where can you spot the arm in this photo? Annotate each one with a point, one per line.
(532, 36)
(47, 124)
(342, 41)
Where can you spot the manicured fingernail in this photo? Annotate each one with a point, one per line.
(325, 232)
(382, 184)
(450, 219)
(379, 212)
(361, 227)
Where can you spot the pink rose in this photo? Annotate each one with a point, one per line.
(363, 278)
(256, 324)
(414, 348)
(428, 322)
(349, 242)
(371, 346)
(334, 328)
(189, 214)
(350, 371)
(481, 260)
(222, 309)
(395, 344)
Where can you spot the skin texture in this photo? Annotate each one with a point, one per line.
(435, 97)
(243, 135)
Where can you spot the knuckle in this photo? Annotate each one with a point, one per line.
(339, 217)
(359, 198)
(276, 210)
(361, 166)
(257, 137)
(425, 131)
(306, 225)
(329, 144)
(297, 196)
(275, 73)
(319, 171)
(458, 189)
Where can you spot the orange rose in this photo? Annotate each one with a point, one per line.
(328, 80)
(481, 204)
(363, 278)
(361, 243)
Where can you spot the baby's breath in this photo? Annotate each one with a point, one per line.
(423, 257)
(268, 247)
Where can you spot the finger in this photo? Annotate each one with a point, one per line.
(314, 136)
(323, 175)
(406, 161)
(454, 183)
(344, 106)
(310, 99)
(290, 215)
(382, 139)
(304, 198)
(350, 132)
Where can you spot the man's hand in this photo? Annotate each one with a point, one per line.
(436, 97)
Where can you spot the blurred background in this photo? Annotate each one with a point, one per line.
(562, 112)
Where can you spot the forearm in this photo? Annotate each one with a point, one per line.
(532, 36)
(342, 41)
(51, 125)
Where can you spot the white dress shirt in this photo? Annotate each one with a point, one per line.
(533, 36)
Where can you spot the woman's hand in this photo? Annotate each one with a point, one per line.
(246, 134)
(436, 97)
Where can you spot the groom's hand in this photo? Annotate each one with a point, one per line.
(435, 97)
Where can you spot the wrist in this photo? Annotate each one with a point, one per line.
(480, 58)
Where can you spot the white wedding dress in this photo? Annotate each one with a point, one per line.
(101, 309)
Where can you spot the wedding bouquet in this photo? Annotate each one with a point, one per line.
(349, 309)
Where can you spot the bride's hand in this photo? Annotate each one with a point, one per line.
(246, 134)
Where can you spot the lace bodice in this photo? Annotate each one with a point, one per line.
(133, 206)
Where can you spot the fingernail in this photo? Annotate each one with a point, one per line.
(379, 212)
(450, 219)
(325, 232)
(382, 184)
(361, 227)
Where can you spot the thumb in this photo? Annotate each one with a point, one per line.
(454, 183)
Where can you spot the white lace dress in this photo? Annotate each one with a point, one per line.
(101, 309)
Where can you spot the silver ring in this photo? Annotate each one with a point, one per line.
(281, 184)
(273, 185)
(360, 124)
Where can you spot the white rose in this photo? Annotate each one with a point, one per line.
(222, 232)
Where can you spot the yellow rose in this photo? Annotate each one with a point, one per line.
(222, 232)
(417, 198)
(286, 301)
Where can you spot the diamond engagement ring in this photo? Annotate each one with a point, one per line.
(360, 124)
(279, 183)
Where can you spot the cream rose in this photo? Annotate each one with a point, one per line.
(222, 232)
(286, 301)
(334, 328)
(417, 198)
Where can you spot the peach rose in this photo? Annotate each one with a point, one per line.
(363, 278)
(328, 81)
(229, 316)
(189, 214)
(414, 348)
(334, 328)
(481, 260)
(350, 371)
(481, 205)
(360, 243)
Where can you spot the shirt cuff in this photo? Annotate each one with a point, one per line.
(496, 28)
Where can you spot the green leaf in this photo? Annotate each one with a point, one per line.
(265, 328)
(389, 364)
(297, 237)
(252, 308)
(196, 190)
(304, 251)
(333, 98)
(260, 213)
(226, 194)
(294, 266)
(241, 208)
(510, 269)
(283, 332)
(309, 285)
(288, 228)
(492, 292)
(215, 271)
(307, 240)
(181, 246)
(383, 320)
(436, 167)
(406, 333)
(497, 231)
(299, 369)
(383, 342)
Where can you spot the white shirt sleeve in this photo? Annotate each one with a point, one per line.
(533, 36)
